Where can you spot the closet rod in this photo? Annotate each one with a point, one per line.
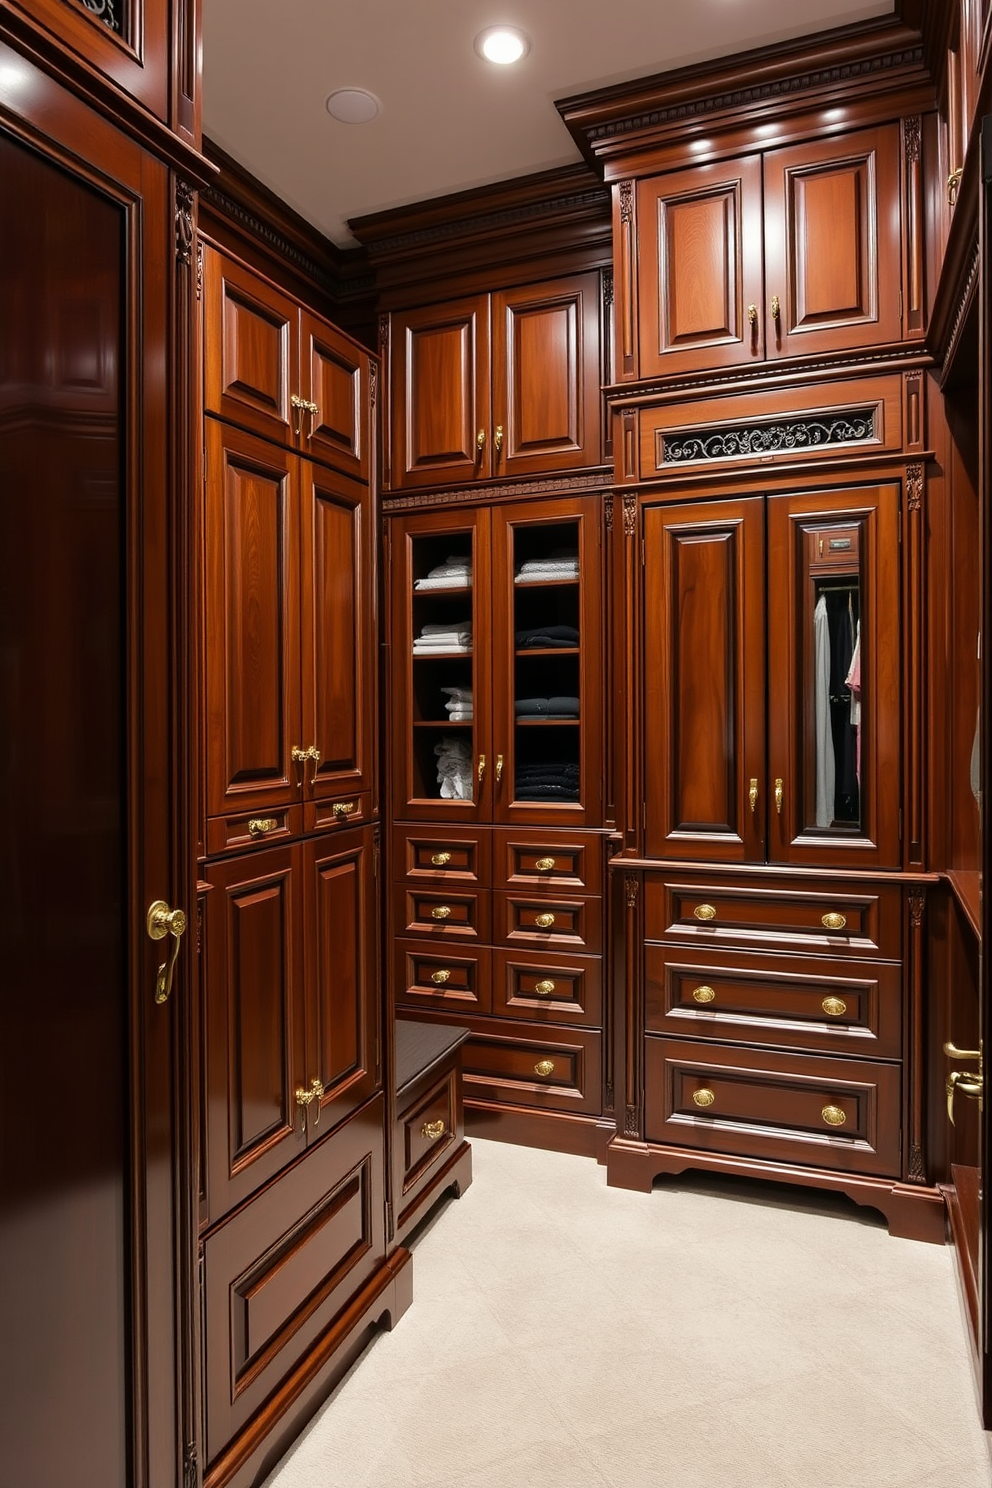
(851, 588)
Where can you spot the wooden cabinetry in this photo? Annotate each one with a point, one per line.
(497, 385)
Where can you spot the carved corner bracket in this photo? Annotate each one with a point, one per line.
(185, 197)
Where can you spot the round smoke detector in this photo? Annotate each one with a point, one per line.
(353, 105)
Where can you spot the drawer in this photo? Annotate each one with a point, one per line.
(427, 976)
(558, 923)
(253, 828)
(441, 855)
(846, 1008)
(547, 862)
(343, 811)
(820, 917)
(428, 1130)
(442, 913)
(547, 988)
(793, 1108)
(556, 1070)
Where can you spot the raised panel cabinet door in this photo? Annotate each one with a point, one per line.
(834, 666)
(546, 376)
(704, 680)
(699, 268)
(252, 621)
(334, 377)
(255, 1023)
(833, 243)
(340, 971)
(337, 631)
(250, 349)
(129, 41)
(440, 394)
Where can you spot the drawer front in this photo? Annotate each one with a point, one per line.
(826, 920)
(429, 1129)
(547, 989)
(794, 1108)
(253, 829)
(558, 923)
(441, 855)
(557, 1070)
(427, 976)
(543, 863)
(853, 1008)
(442, 914)
(339, 811)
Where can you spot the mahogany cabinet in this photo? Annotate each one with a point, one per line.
(497, 385)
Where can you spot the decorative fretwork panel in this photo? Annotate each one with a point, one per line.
(734, 441)
(108, 11)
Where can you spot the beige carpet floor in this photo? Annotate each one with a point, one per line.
(708, 1335)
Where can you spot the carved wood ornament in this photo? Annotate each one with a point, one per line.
(184, 222)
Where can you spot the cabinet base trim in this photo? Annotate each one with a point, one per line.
(911, 1212)
(455, 1176)
(552, 1131)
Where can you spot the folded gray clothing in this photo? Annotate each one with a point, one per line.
(453, 628)
(446, 581)
(548, 635)
(547, 793)
(459, 694)
(551, 777)
(560, 707)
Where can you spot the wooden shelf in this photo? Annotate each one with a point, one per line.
(545, 583)
(548, 722)
(445, 723)
(548, 651)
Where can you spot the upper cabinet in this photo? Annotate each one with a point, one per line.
(497, 385)
(794, 252)
(273, 367)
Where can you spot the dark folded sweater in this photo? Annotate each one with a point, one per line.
(548, 636)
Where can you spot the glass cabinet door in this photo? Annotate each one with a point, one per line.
(833, 787)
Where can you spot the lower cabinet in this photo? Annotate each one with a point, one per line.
(430, 1153)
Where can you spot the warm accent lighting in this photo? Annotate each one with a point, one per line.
(502, 44)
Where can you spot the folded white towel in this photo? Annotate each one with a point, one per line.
(441, 648)
(459, 694)
(444, 582)
(460, 715)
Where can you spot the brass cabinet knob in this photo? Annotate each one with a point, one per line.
(432, 1130)
(833, 1115)
(704, 912)
(703, 994)
(834, 1007)
(441, 912)
(833, 921)
(343, 808)
(545, 988)
(259, 825)
(544, 1067)
(440, 977)
(439, 859)
(703, 1097)
(545, 921)
(544, 865)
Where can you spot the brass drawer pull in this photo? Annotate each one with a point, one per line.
(834, 1007)
(703, 994)
(544, 1067)
(544, 989)
(432, 1130)
(779, 794)
(704, 912)
(343, 808)
(545, 921)
(544, 865)
(703, 1097)
(440, 859)
(259, 825)
(440, 912)
(752, 796)
(776, 308)
(440, 977)
(833, 1115)
(834, 921)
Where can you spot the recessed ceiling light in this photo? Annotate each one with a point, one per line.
(353, 105)
(502, 44)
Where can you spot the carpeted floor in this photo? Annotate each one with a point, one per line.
(709, 1335)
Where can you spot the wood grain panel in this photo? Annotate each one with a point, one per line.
(334, 375)
(440, 388)
(250, 345)
(704, 678)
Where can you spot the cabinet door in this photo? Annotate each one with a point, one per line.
(337, 631)
(704, 681)
(252, 607)
(833, 677)
(339, 960)
(699, 268)
(548, 681)
(334, 377)
(440, 678)
(255, 1051)
(250, 349)
(833, 243)
(546, 376)
(440, 394)
(129, 41)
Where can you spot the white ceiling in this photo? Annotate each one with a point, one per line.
(449, 121)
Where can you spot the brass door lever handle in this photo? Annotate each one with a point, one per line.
(160, 922)
(969, 1084)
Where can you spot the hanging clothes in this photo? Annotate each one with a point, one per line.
(825, 765)
(853, 681)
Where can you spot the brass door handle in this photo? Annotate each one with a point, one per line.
(752, 314)
(482, 767)
(317, 1095)
(432, 1130)
(160, 922)
(544, 921)
(299, 757)
(499, 768)
(440, 977)
(259, 825)
(544, 1067)
(480, 443)
(545, 988)
(776, 308)
(752, 796)
(440, 912)
(305, 1097)
(299, 406)
(313, 753)
(953, 1052)
(498, 438)
(544, 865)
(341, 808)
(779, 794)
(314, 412)
(439, 859)
(968, 1083)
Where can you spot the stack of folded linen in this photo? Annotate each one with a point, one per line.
(548, 780)
(547, 637)
(459, 704)
(453, 573)
(435, 640)
(562, 564)
(553, 707)
(454, 768)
